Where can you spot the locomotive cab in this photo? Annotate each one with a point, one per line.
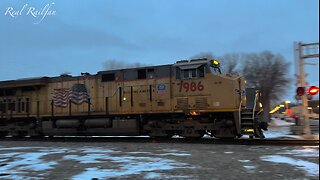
(209, 96)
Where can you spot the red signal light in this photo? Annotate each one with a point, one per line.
(300, 91)
(313, 90)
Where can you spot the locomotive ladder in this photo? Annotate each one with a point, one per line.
(248, 122)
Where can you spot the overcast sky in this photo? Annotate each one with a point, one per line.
(82, 34)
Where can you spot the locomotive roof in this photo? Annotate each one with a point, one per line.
(24, 82)
(41, 81)
(133, 68)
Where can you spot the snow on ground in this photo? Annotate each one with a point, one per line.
(17, 165)
(284, 132)
(307, 152)
(131, 165)
(23, 162)
(162, 162)
(281, 129)
(277, 132)
(310, 168)
(279, 122)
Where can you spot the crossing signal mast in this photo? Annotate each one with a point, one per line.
(302, 52)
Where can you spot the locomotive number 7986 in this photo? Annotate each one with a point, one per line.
(190, 86)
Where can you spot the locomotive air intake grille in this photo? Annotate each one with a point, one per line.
(201, 103)
(182, 103)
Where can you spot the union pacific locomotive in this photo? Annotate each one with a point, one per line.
(190, 98)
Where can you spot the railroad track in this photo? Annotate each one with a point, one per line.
(213, 141)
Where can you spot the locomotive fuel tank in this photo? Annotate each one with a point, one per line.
(98, 123)
(68, 123)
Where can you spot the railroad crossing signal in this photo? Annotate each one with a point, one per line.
(313, 90)
(300, 91)
(302, 52)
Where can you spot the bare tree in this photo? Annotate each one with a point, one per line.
(267, 72)
(231, 63)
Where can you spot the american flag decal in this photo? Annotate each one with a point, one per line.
(78, 94)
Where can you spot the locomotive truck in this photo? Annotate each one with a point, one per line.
(189, 98)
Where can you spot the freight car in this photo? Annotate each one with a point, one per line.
(189, 98)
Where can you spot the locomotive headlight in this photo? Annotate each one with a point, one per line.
(194, 113)
(215, 63)
(124, 98)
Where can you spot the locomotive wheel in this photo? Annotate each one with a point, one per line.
(239, 135)
(202, 133)
(160, 138)
(21, 134)
(37, 135)
(3, 134)
(225, 136)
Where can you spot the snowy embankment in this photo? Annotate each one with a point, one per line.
(281, 129)
(279, 122)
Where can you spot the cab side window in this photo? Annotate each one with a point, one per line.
(178, 73)
(142, 74)
(201, 71)
(108, 77)
(190, 73)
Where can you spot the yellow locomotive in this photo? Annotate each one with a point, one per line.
(190, 98)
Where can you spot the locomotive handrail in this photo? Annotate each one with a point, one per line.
(254, 106)
(240, 105)
(240, 108)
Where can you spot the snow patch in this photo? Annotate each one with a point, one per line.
(97, 150)
(311, 168)
(18, 165)
(89, 158)
(22, 163)
(173, 154)
(279, 122)
(132, 166)
(28, 161)
(18, 148)
(152, 175)
(308, 152)
(139, 152)
(250, 167)
(228, 152)
(276, 132)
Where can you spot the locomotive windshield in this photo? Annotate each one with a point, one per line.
(191, 69)
(215, 64)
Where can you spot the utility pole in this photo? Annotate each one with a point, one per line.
(304, 51)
